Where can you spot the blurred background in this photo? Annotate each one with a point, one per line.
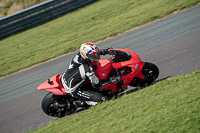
(8, 7)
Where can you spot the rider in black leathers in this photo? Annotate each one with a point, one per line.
(79, 69)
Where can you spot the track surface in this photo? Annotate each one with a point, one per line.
(173, 44)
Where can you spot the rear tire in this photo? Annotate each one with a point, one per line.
(49, 103)
(151, 73)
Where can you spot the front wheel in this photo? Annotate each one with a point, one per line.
(151, 73)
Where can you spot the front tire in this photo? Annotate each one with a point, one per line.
(151, 73)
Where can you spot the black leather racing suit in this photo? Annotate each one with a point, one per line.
(78, 70)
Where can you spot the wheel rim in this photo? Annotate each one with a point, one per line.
(149, 76)
(55, 111)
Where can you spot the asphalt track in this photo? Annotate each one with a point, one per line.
(173, 44)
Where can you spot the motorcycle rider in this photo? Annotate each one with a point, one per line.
(79, 69)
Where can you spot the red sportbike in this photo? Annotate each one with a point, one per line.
(124, 63)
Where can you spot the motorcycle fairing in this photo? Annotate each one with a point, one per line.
(134, 61)
(53, 84)
(111, 87)
(104, 67)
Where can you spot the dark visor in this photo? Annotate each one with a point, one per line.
(95, 56)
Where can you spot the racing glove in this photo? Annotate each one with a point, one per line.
(107, 51)
(112, 52)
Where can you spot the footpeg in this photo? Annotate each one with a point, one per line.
(78, 103)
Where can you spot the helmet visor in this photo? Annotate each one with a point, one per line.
(94, 56)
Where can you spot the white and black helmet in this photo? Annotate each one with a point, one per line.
(90, 51)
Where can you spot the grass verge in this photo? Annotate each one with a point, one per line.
(172, 105)
(98, 21)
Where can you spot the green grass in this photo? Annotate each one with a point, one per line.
(172, 105)
(98, 21)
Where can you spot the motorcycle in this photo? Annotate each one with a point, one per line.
(125, 64)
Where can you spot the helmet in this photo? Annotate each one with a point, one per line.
(90, 51)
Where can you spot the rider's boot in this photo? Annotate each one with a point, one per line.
(79, 103)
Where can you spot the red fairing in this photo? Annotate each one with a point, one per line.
(134, 62)
(54, 86)
(104, 68)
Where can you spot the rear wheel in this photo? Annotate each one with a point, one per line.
(151, 73)
(56, 105)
